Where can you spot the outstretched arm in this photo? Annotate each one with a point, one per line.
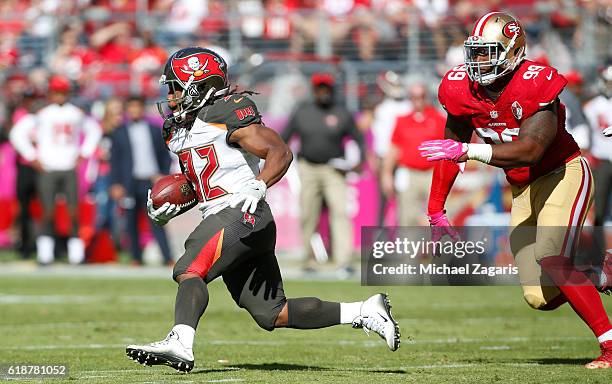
(266, 144)
(536, 134)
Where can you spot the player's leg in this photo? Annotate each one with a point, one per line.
(76, 247)
(565, 198)
(310, 206)
(538, 290)
(335, 192)
(602, 176)
(205, 258)
(131, 222)
(45, 243)
(255, 284)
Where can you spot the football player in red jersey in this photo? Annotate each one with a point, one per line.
(513, 105)
(220, 138)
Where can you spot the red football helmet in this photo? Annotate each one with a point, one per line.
(194, 76)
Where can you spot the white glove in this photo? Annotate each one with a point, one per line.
(608, 131)
(250, 193)
(163, 214)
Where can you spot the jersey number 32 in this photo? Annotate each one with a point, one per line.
(207, 156)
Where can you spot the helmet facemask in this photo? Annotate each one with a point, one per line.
(185, 98)
(485, 72)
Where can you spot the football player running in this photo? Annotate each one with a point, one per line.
(220, 138)
(513, 105)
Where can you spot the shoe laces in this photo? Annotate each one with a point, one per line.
(369, 324)
(165, 341)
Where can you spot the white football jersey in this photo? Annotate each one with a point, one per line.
(216, 168)
(53, 136)
(599, 114)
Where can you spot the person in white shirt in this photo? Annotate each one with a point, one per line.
(598, 112)
(52, 141)
(394, 105)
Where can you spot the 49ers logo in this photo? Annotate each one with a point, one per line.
(512, 28)
(199, 66)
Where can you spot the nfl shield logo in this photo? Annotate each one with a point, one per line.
(517, 110)
(494, 114)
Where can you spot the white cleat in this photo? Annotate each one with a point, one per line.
(376, 316)
(170, 352)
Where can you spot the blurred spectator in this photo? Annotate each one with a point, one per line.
(425, 122)
(146, 63)
(114, 43)
(51, 142)
(101, 168)
(72, 58)
(321, 126)
(575, 121)
(183, 18)
(394, 104)
(27, 179)
(9, 52)
(138, 158)
(599, 114)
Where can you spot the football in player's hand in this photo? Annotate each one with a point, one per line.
(175, 189)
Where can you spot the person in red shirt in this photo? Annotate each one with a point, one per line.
(513, 106)
(425, 122)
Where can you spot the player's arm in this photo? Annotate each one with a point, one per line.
(443, 178)
(536, 134)
(445, 172)
(19, 137)
(266, 144)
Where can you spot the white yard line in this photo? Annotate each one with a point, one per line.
(275, 343)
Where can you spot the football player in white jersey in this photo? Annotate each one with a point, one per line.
(220, 138)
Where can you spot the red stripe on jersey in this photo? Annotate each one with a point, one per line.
(478, 28)
(209, 253)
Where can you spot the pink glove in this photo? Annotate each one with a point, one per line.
(446, 149)
(441, 227)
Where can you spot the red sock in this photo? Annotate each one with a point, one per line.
(579, 291)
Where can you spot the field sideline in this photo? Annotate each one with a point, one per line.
(457, 335)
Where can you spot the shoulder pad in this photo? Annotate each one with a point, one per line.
(537, 86)
(454, 92)
(235, 111)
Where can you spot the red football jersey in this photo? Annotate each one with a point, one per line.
(532, 87)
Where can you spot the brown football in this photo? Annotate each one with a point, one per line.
(175, 189)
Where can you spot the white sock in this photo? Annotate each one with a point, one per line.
(44, 249)
(76, 250)
(605, 337)
(186, 334)
(349, 311)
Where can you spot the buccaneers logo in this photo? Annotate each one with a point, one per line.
(512, 28)
(198, 66)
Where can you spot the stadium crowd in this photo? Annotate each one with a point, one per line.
(109, 53)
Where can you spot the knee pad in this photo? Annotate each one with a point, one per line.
(265, 320)
(535, 302)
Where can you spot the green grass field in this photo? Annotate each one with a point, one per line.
(450, 335)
